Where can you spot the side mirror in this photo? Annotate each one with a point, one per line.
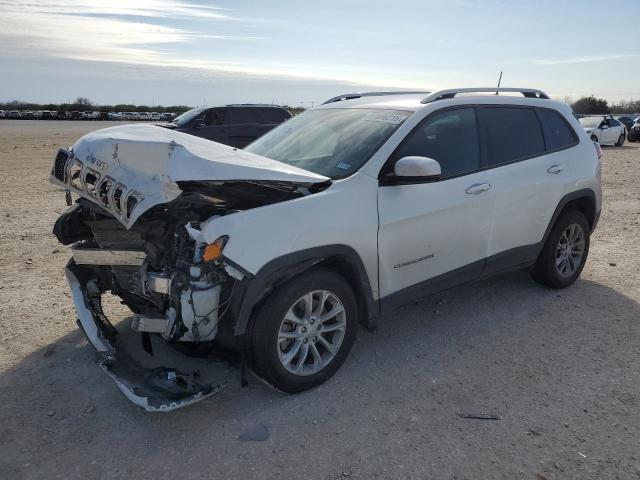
(415, 168)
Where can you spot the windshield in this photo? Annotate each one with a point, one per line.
(186, 117)
(333, 142)
(591, 122)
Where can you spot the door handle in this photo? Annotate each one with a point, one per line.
(553, 169)
(478, 188)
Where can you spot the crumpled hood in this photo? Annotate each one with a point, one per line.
(149, 161)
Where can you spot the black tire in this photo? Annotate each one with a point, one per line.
(267, 320)
(621, 139)
(545, 270)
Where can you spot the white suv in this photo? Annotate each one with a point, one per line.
(334, 218)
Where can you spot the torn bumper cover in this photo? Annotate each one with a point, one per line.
(157, 389)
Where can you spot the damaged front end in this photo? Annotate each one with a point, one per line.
(151, 254)
(157, 270)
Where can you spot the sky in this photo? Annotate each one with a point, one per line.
(300, 52)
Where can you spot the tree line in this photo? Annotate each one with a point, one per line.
(82, 104)
(592, 105)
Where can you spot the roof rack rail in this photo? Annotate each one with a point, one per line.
(351, 96)
(444, 94)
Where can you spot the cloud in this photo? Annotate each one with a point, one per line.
(136, 32)
(96, 29)
(140, 8)
(146, 33)
(600, 58)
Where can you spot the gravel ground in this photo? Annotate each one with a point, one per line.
(560, 369)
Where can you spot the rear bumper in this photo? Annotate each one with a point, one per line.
(157, 389)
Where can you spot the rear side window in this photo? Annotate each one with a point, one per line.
(450, 137)
(511, 134)
(557, 132)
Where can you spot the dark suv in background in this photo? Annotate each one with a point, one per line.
(626, 120)
(234, 125)
(634, 131)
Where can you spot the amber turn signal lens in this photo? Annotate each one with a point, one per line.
(213, 251)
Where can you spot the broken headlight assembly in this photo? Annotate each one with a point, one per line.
(213, 251)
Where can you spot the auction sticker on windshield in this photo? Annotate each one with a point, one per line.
(392, 118)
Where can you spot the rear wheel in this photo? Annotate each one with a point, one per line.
(565, 252)
(304, 331)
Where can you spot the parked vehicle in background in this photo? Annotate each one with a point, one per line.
(3, 113)
(234, 125)
(62, 115)
(626, 120)
(144, 116)
(114, 115)
(334, 218)
(14, 114)
(634, 131)
(167, 116)
(75, 115)
(28, 115)
(47, 115)
(604, 129)
(155, 116)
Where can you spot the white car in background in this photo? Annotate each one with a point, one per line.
(144, 116)
(604, 129)
(155, 116)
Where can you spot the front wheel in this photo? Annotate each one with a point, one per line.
(564, 253)
(304, 331)
(620, 141)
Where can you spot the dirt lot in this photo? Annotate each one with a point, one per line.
(559, 368)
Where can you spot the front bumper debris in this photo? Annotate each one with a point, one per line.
(154, 389)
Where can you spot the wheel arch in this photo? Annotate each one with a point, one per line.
(344, 260)
(584, 201)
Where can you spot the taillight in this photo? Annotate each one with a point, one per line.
(598, 149)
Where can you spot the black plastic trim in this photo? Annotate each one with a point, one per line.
(467, 273)
(250, 291)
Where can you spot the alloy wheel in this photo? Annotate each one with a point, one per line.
(570, 250)
(311, 332)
